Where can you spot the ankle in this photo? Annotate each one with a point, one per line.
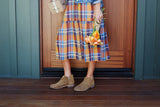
(90, 76)
(67, 75)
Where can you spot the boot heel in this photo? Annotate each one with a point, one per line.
(70, 85)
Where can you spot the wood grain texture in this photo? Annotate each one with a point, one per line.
(134, 38)
(107, 92)
(119, 26)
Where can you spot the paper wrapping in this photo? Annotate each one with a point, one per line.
(57, 6)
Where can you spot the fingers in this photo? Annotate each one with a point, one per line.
(99, 18)
(98, 15)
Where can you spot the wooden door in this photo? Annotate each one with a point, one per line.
(120, 28)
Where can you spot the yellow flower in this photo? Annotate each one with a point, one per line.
(96, 34)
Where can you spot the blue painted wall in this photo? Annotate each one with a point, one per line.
(19, 39)
(147, 62)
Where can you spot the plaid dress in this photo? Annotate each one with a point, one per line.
(70, 39)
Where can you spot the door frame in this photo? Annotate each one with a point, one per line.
(134, 37)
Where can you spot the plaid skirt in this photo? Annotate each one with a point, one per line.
(70, 39)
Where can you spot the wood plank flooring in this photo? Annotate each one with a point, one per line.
(108, 92)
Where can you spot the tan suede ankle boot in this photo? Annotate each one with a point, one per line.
(87, 83)
(64, 82)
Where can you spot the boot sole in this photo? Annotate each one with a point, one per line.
(69, 86)
(86, 89)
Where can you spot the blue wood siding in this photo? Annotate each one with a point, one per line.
(20, 48)
(19, 39)
(147, 62)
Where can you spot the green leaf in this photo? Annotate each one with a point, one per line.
(103, 9)
(94, 28)
(91, 34)
(97, 22)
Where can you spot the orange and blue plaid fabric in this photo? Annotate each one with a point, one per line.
(70, 39)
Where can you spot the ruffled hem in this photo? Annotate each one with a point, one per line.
(82, 58)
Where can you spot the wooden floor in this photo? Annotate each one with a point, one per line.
(108, 92)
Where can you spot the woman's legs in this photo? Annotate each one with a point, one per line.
(91, 67)
(67, 67)
(67, 80)
(88, 81)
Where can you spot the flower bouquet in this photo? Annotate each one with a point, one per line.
(94, 37)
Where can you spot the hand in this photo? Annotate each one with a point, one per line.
(98, 15)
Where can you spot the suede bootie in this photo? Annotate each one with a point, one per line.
(63, 82)
(87, 83)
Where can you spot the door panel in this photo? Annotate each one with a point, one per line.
(119, 26)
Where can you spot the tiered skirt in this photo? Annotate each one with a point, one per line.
(70, 40)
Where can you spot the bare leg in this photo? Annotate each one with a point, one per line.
(88, 81)
(91, 67)
(67, 80)
(67, 67)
